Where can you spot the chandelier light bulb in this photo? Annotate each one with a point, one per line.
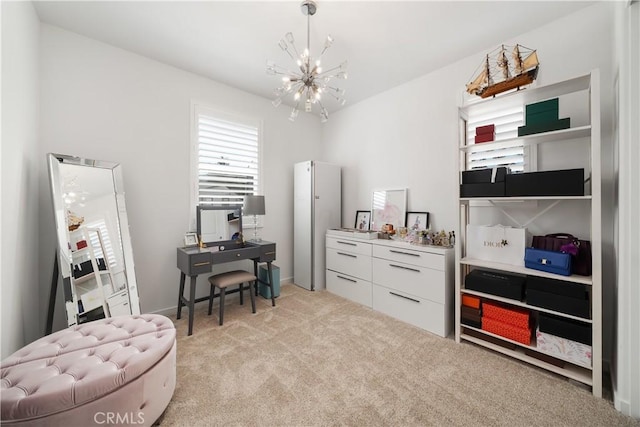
(307, 81)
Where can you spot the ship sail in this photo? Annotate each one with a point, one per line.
(473, 87)
(517, 60)
(530, 61)
(503, 63)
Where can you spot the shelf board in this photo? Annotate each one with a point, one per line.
(585, 280)
(524, 305)
(523, 198)
(538, 138)
(575, 372)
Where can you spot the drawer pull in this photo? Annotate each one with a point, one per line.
(270, 253)
(404, 268)
(403, 253)
(346, 278)
(349, 255)
(347, 243)
(200, 264)
(402, 296)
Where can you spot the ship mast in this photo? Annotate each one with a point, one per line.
(488, 72)
(517, 59)
(503, 63)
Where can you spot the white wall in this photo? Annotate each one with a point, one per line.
(408, 136)
(626, 369)
(105, 103)
(19, 234)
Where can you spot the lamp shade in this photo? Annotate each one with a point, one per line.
(254, 205)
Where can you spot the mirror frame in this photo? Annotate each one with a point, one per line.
(398, 201)
(226, 243)
(64, 238)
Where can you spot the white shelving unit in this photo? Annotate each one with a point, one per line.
(588, 136)
(90, 288)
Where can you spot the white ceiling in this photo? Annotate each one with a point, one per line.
(386, 43)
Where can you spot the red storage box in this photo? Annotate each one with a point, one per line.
(506, 330)
(471, 301)
(482, 130)
(485, 137)
(81, 244)
(518, 317)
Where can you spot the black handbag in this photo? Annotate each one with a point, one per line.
(580, 250)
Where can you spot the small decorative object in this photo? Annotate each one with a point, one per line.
(254, 205)
(363, 220)
(417, 220)
(190, 239)
(497, 74)
(81, 244)
(74, 221)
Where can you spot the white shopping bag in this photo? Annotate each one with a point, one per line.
(497, 243)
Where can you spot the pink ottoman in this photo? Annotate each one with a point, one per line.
(116, 371)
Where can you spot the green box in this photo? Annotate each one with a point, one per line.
(544, 127)
(538, 107)
(263, 274)
(548, 116)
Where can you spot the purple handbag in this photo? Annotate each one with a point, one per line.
(580, 250)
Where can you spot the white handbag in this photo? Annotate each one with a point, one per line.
(497, 243)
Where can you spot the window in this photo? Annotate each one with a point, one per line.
(97, 245)
(511, 154)
(226, 156)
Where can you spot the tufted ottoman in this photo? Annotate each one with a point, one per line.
(116, 371)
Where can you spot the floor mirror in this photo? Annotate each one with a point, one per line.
(94, 254)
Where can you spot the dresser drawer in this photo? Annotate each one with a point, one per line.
(411, 279)
(349, 246)
(410, 256)
(199, 264)
(351, 288)
(351, 264)
(417, 311)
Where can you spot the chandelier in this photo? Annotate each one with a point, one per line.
(308, 82)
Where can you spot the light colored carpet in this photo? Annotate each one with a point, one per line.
(317, 359)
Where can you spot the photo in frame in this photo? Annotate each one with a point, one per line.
(417, 220)
(363, 220)
(388, 207)
(190, 239)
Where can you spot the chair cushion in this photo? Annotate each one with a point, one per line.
(81, 363)
(231, 278)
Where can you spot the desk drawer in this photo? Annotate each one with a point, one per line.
(352, 288)
(417, 311)
(361, 248)
(355, 265)
(199, 264)
(414, 280)
(410, 256)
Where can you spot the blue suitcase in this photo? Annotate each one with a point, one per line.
(549, 261)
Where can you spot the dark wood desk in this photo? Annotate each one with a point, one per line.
(195, 261)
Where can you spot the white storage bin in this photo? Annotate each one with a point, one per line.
(497, 243)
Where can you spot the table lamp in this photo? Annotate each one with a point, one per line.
(254, 205)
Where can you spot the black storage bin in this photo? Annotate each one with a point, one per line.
(483, 176)
(565, 328)
(496, 189)
(504, 285)
(566, 182)
(82, 269)
(565, 297)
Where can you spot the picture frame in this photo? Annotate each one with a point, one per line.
(363, 220)
(190, 240)
(417, 220)
(388, 207)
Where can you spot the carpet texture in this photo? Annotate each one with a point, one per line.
(317, 359)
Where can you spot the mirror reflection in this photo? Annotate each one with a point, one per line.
(96, 260)
(218, 224)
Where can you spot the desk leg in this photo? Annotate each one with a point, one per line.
(182, 278)
(255, 273)
(192, 301)
(273, 298)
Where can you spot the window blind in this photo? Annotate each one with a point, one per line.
(108, 253)
(506, 123)
(228, 160)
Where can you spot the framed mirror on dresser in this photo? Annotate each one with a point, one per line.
(94, 254)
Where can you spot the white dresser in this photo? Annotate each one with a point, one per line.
(409, 282)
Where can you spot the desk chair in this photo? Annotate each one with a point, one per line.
(223, 280)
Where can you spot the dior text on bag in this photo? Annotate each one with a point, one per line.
(580, 250)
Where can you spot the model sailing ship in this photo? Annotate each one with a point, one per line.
(503, 75)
